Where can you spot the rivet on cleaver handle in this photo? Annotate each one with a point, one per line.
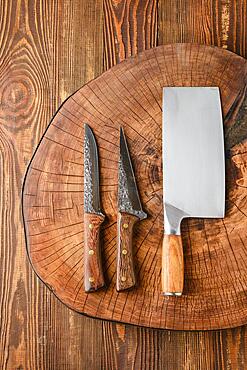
(193, 168)
(129, 212)
(93, 217)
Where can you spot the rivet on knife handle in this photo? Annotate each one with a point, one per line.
(93, 216)
(129, 212)
(93, 274)
(125, 264)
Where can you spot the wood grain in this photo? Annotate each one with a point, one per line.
(93, 271)
(40, 65)
(37, 331)
(214, 293)
(172, 274)
(130, 26)
(125, 269)
(221, 23)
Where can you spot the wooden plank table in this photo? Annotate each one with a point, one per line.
(48, 50)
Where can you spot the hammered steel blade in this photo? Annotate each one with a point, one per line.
(128, 196)
(91, 174)
(193, 155)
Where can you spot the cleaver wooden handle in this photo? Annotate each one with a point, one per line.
(93, 273)
(172, 265)
(125, 264)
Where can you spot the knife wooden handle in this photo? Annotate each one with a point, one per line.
(93, 273)
(125, 264)
(172, 265)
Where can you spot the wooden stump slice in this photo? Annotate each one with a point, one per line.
(215, 250)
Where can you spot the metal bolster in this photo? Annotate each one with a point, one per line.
(173, 217)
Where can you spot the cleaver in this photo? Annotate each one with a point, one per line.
(193, 170)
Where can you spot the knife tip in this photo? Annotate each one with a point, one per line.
(86, 126)
(88, 130)
(122, 136)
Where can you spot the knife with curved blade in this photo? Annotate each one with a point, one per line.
(129, 212)
(93, 216)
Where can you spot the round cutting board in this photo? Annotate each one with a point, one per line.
(130, 95)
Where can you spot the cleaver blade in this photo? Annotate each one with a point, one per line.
(193, 170)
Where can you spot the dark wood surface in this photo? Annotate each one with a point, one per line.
(48, 50)
(130, 94)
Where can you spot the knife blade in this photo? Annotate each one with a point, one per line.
(93, 216)
(193, 168)
(129, 212)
